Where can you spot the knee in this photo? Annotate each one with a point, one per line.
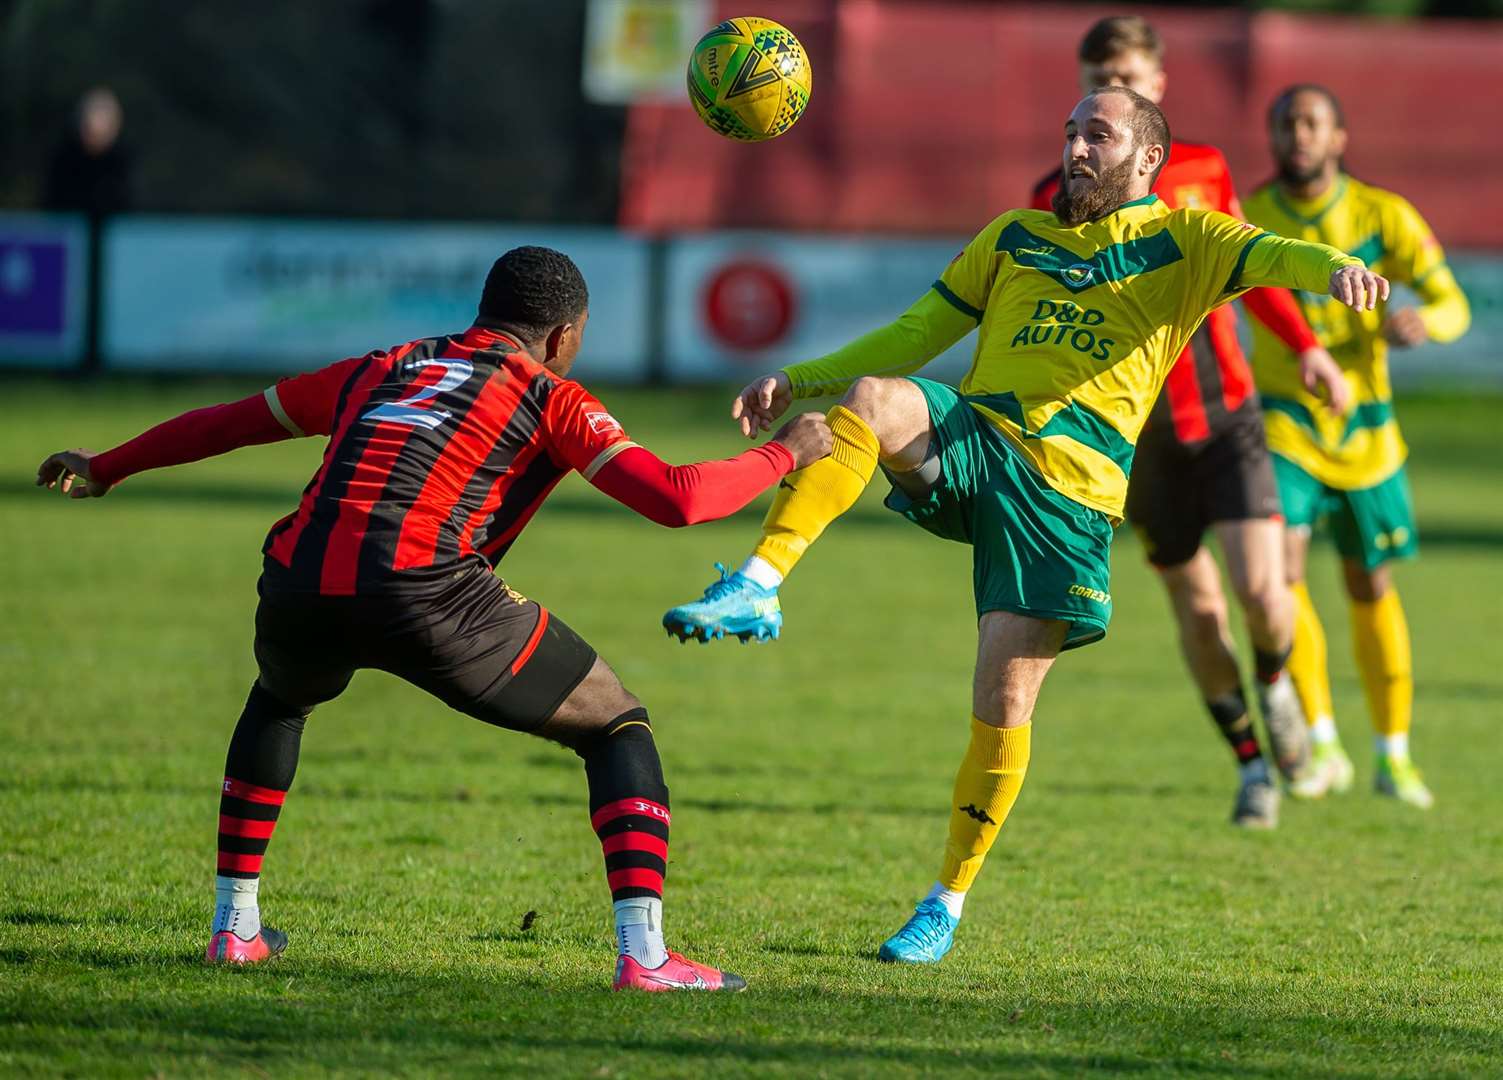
(266, 707)
(1364, 585)
(586, 741)
(1201, 611)
(1006, 706)
(1263, 602)
(867, 396)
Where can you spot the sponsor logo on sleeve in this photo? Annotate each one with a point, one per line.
(601, 422)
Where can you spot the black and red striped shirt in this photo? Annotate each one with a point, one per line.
(1211, 381)
(440, 450)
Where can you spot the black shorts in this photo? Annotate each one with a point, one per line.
(1178, 491)
(468, 640)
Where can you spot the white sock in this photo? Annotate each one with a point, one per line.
(1393, 746)
(953, 901)
(1256, 769)
(235, 906)
(1323, 730)
(639, 930)
(761, 572)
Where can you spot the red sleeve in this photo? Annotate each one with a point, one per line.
(580, 430)
(1043, 191)
(678, 495)
(192, 436)
(305, 403)
(1279, 311)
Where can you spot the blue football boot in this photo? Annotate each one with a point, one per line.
(925, 937)
(733, 605)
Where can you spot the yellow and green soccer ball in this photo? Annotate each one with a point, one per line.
(749, 79)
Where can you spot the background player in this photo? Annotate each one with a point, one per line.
(439, 452)
(1350, 467)
(1028, 461)
(1201, 462)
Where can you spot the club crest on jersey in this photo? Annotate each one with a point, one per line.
(1078, 275)
(601, 422)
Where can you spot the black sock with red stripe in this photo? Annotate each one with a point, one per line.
(258, 772)
(1229, 711)
(629, 812)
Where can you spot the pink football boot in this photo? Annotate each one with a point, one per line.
(675, 973)
(226, 948)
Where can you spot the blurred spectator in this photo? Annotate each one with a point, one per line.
(91, 169)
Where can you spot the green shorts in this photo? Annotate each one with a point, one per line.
(1372, 524)
(1037, 552)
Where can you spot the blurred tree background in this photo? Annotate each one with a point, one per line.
(457, 109)
(460, 109)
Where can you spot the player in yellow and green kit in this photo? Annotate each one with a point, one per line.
(1349, 467)
(1081, 312)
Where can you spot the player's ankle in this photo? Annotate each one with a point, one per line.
(759, 571)
(639, 930)
(1394, 747)
(1323, 731)
(954, 902)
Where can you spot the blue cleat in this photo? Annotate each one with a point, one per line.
(734, 605)
(924, 939)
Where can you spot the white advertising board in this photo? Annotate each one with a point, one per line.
(744, 303)
(42, 287)
(244, 294)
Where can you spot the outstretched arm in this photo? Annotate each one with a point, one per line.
(921, 333)
(301, 405)
(193, 436)
(679, 495)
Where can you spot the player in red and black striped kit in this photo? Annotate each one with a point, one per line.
(439, 453)
(1202, 463)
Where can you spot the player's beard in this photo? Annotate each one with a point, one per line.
(1109, 192)
(1292, 174)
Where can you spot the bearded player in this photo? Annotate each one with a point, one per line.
(439, 453)
(1081, 313)
(1202, 465)
(1350, 468)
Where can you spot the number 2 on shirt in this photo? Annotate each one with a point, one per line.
(404, 410)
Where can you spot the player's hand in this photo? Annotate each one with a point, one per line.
(761, 402)
(1405, 328)
(69, 469)
(807, 437)
(1322, 376)
(1358, 287)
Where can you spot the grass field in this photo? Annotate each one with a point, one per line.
(1121, 926)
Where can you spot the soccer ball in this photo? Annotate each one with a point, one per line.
(749, 79)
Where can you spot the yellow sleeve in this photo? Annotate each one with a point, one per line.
(1267, 259)
(920, 334)
(1415, 258)
(937, 320)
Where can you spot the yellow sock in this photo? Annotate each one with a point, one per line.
(1307, 664)
(808, 500)
(1381, 636)
(990, 777)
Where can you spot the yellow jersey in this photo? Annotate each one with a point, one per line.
(1078, 327)
(1387, 233)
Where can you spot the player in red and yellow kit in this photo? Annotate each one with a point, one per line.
(1202, 463)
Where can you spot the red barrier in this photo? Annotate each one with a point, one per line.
(935, 117)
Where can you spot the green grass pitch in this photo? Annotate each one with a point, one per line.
(1120, 927)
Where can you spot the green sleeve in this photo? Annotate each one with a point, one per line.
(1293, 264)
(920, 334)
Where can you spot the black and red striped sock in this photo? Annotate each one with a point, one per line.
(629, 813)
(258, 772)
(1229, 711)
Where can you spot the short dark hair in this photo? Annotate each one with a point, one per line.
(1111, 37)
(532, 290)
(1148, 124)
(1286, 97)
